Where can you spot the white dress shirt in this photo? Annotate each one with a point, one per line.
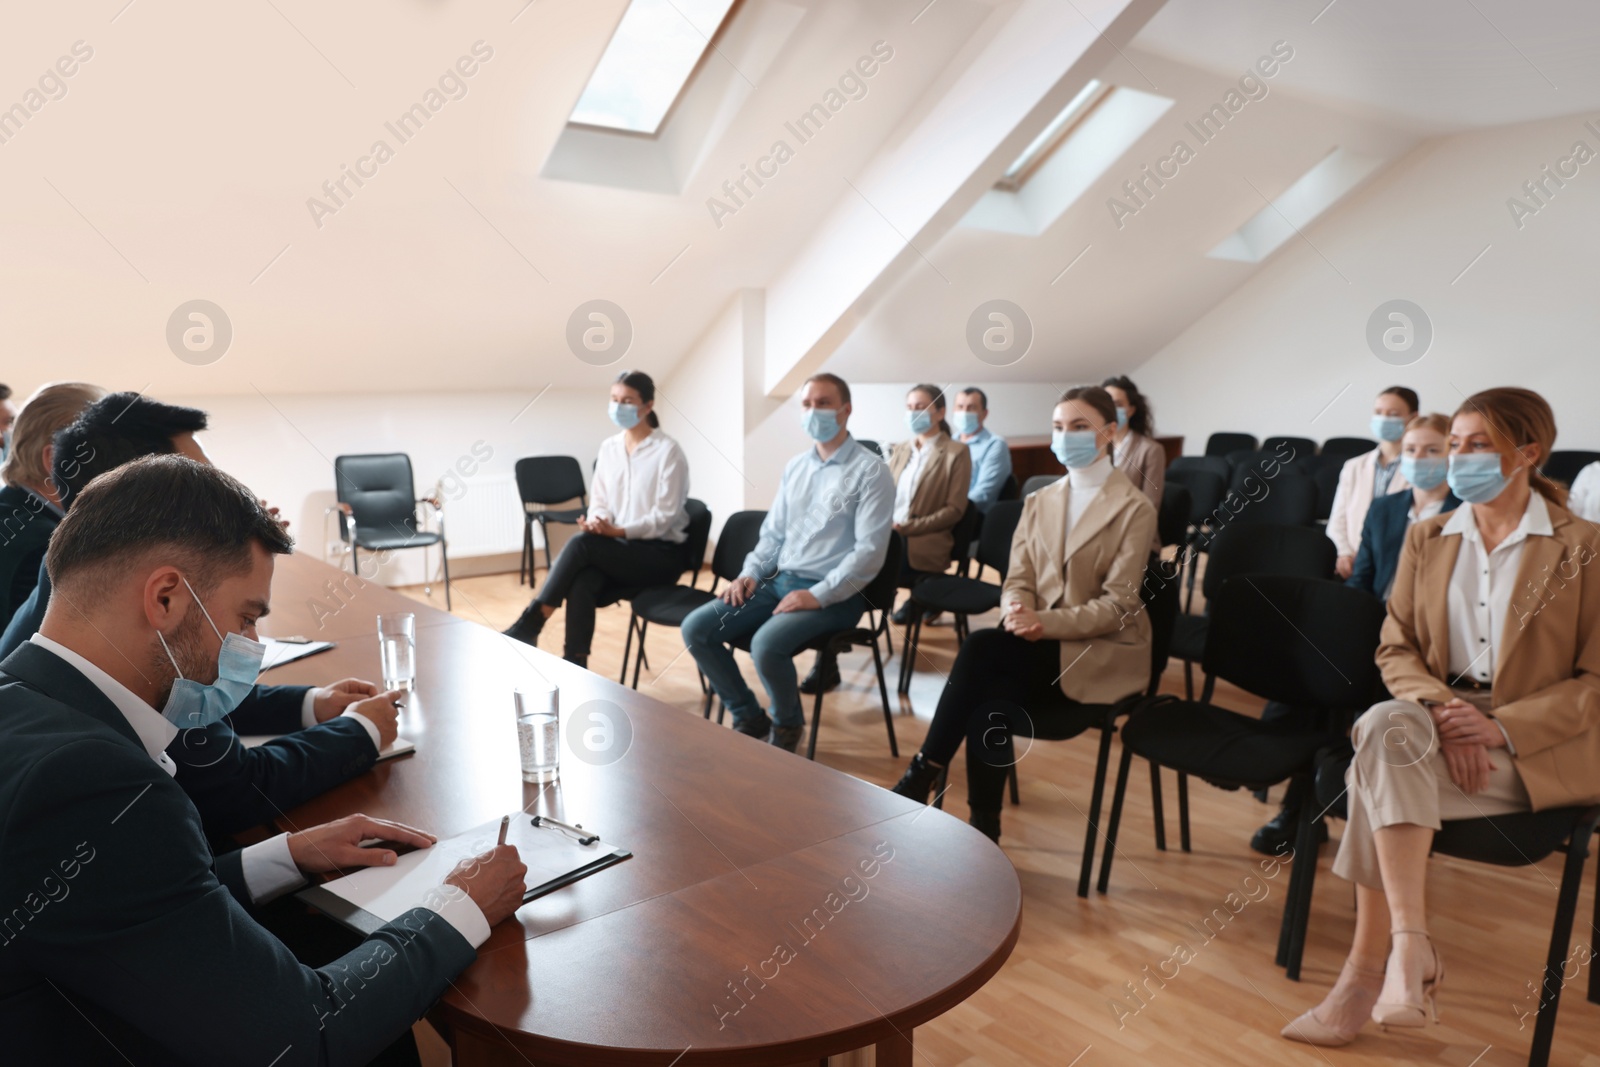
(906, 487)
(1584, 500)
(1481, 588)
(1083, 485)
(644, 492)
(269, 871)
(308, 718)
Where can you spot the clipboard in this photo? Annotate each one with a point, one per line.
(280, 651)
(367, 899)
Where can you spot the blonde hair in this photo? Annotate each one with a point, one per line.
(1518, 417)
(1439, 424)
(52, 407)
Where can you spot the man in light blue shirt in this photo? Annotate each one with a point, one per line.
(824, 539)
(991, 456)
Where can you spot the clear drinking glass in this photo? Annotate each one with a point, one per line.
(539, 733)
(397, 646)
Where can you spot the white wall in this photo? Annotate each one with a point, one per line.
(1286, 353)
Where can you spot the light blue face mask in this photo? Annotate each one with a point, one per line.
(1424, 472)
(919, 421)
(624, 415)
(1476, 477)
(965, 422)
(193, 705)
(1388, 427)
(1075, 448)
(1122, 418)
(820, 424)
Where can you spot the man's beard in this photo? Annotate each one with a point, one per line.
(187, 644)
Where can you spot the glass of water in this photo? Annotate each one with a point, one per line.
(397, 645)
(539, 732)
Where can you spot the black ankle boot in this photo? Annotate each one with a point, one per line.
(529, 623)
(918, 780)
(986, 822)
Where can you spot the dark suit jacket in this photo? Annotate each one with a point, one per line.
(235, 787)
(115, 911)
(1383, 535)
(26, 523)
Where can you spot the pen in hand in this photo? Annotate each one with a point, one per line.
(505, 823)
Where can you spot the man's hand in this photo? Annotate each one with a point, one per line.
(495, 880)
(1344, 565)
(1469, 766)
(336, 846)
(382, 713)
(737, 591)
(1022, 621)
(799, 600)
(1460, 723)
(331, 700)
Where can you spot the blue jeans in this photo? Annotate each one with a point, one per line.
(709, 629)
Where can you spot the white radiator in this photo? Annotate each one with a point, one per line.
(484, 517)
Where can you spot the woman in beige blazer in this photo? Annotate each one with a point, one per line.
(931, 473)
(1369, 475)
(1135, 451)
(1072, 630)
(1492, 652)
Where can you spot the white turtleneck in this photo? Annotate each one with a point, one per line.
(1083, 485)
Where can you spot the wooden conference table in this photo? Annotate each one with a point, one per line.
(744, 930)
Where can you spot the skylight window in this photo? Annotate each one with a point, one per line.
(1296, 207)
(1054, 134)
(656, 47)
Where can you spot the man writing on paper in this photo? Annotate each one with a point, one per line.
(122, 942)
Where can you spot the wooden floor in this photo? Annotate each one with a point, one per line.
(1063, 997)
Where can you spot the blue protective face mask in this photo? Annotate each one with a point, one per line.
(624, 415)
(965, 422)
(1122, 418)
(1424, 472)
(1476, 477)
(1388, 427)
(919, 421)
(820, 424)
(238, 663)
(1075, 448)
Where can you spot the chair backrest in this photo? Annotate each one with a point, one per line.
(1564, 465)
(1009, 489)
(1037, 482)
(1325, 475)
(1347, 447)
(1221, 444)
(1268, 548)
(965, 529)
(1300, 641)
(1263, 460)
(1162, 583)
(1172, 520)
(379, 490)
(1303, 448)
(1290, 499)
(994, 540)
(549, 479)
(694, 543)
(738, 539)
(1206, 488)
(870, 446)
(881, 591)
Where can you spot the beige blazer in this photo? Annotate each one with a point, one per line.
(938, 501)
(1146, 466)
(1352, 499)
(1547, 679)
(1086, 587)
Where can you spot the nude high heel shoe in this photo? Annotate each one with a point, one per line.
(1311, 1030)
(1414, 1011)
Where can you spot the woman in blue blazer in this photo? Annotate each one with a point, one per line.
(1423, 461)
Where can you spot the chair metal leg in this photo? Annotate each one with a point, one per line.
(722, 711)
(639, 660)
(1594, 971)
(1183, 811)
(1158, 806)
(711, 697)
(1544, 1028)
(525, 560)
(355, 558)
(816, 724)
(908, 661)
(444, 558)
(1116, 819)
(1188, 680)
(883, 695)
(627, 650)
(939, 787)
(888, 638)
(1297, 906)
(1091, 834)
(1016, 790)
(544, 528)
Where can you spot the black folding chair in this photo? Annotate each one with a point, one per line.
(1206, 479)
(676, 596)
(1303, 448)
(1038, 481)
(1344, 448)
(1325, 476)
(1288, 498)
(541, 482)
(1564, 465)
(1221, 444)
(378, 509)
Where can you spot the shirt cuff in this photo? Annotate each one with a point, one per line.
(269, 872)
(1505, 734)
(308, 709)
(452, 904)
(826, 592)
(367, 724)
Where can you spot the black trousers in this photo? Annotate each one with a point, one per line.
(589, 564)
(1001, 686)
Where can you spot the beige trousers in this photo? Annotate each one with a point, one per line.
(1399, 776)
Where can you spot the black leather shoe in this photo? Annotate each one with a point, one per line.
(1279, 834)
(526, 628)
(918, 780)
(824, 676)
(905, 613)
(757, 726)
(786, 737)
(986, 822)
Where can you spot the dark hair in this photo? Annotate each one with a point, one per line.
(1518, 417)
(5, 392)
(1408, 395)
(834, 380)
(114, 430)
(983, 397)
(645, 386)
(1142, 420)
(206, 519)
(935, 399)
(1095, 397)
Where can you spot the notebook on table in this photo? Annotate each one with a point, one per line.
(398, 747)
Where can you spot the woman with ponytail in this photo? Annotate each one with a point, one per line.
(1491, 650)
(931, 474)
(634, 531)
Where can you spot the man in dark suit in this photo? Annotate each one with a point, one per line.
(332, 733)
(124, 942)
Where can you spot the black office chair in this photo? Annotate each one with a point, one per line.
(541, 482)
(1564, 465)
(694, 556)
(1347, 447)
(1038, 481)
(1301, 641)
(1217, 465)
(1222, 444)
(1206, 478)
(1289, 499)
(1172, 518)
(378, 509)
(1009, 490)
(1263, 461)
(1303, 448)
(960, 596)
(1325, 476)
(871, 446)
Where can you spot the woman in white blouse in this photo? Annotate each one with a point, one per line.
(634, 531)
(1370, 475)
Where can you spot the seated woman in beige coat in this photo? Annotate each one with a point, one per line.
(931, 474)
(1492, 653)
(1073, 629)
